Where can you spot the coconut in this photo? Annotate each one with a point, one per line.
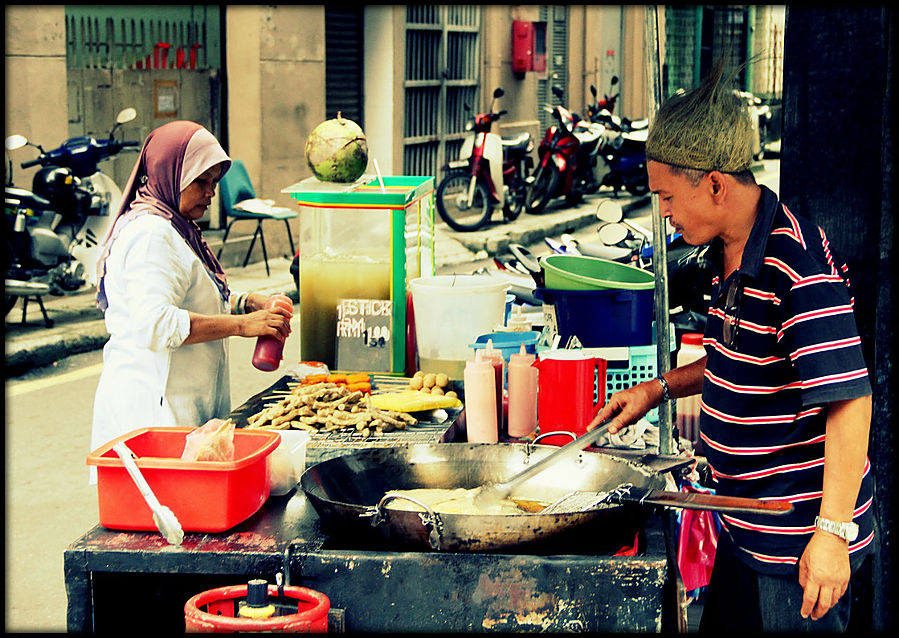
(337, 150)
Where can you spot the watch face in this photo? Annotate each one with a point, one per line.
(851, 530)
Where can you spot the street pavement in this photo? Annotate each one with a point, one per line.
(78, 324)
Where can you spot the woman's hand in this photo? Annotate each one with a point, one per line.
(264, 322)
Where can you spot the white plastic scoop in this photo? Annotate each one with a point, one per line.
(164, 518)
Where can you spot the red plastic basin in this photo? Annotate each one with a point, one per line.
(205, 496)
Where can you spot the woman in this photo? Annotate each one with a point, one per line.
(165, 298)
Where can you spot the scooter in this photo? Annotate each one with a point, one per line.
(760, 116)
(566, 160)
(54, 231)
(606, 104)
(491, 171)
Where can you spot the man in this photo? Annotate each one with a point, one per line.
(786, 400)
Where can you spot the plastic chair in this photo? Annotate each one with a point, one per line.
(239, 202)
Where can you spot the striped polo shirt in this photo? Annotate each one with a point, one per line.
(795, 349)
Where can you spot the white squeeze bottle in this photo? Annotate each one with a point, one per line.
(480, 402)
(687, 419)
(522, 394)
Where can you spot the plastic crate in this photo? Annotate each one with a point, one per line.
(205, 496)
(627, 366)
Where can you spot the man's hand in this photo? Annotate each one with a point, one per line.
(823, 573)
(629, 406)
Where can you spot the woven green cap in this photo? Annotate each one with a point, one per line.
(706, 128)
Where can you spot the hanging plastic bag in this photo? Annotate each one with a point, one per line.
(697, 543)
(213, 441)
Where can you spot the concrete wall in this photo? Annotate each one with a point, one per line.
(276, 87)
(35, 81)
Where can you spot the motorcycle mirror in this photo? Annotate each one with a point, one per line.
(498, 93)
(610, 212)
(612, 234)
(126, 115)
(557, 91)
(614, 80)
(15, 141)
(593, 91)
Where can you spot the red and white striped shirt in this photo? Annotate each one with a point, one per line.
(795, 349)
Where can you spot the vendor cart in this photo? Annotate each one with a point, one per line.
(591, 582)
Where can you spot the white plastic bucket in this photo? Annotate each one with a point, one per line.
(451, 311)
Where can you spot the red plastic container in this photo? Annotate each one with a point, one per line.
(572, 388)
(205, 496)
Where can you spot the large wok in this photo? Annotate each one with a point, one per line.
(348, 493)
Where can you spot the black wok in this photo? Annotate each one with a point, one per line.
(347, 493)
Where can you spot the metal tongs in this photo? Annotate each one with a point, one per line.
(164, 518)
(493, 493)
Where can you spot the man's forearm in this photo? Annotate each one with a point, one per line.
(686, 380)
(845, 451)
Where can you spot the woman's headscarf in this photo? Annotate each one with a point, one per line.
(172, 157)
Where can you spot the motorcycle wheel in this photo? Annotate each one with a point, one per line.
(541, 190)
(511, 210)
(453, 204)
(638, 188)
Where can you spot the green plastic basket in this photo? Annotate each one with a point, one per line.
(576, 272)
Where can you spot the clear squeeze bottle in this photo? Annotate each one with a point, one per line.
(267, 356)
(480, 402)
(522, 394)
(495, 358)
(687, 418)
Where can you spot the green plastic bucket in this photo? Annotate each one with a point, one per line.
(576, 272)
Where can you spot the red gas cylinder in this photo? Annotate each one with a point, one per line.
(215, 611)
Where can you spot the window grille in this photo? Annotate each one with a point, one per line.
(442, 74)
(556, 18)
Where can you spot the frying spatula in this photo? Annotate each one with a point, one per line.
(493, 493)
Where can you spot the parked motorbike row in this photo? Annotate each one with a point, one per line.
(493, 171)
(54, 231)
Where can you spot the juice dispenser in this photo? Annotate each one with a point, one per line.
(361, 241)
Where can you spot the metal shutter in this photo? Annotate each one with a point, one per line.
(343, 64)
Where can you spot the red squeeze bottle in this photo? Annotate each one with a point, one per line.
(267, 356)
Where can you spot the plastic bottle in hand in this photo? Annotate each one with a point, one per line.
(267, 356)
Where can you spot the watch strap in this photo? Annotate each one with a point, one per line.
(666, 390)
(848, 531)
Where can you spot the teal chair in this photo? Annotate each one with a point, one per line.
(239, 202)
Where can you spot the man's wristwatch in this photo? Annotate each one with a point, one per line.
(666, 391)
(847, 531)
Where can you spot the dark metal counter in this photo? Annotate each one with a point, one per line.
(120, 579)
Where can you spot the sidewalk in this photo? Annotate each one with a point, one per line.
(78, 325)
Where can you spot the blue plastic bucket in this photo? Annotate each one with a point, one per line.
(602, 318)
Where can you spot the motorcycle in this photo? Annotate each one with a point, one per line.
(760, 116)
(491, 171)
(606, 104)
(54, 231)
(566, 159)
(602, 112)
